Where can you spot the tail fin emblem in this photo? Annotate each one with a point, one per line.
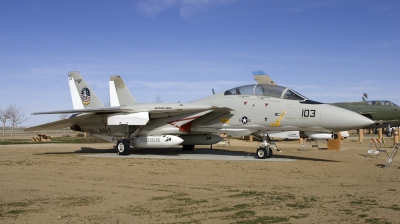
(85, 96)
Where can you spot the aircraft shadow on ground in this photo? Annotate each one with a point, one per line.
(178, 151)
(83, 151)
(253, 154)
(380, 165)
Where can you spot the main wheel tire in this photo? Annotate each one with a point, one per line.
(187, 147)
(262, 152)
(123, 147)
(269, 154)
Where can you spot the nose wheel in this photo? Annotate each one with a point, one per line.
(264, 152)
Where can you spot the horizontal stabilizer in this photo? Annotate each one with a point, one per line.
(60, 124)
(155, 108)
(94, 110)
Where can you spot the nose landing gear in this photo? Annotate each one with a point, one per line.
(265, 151)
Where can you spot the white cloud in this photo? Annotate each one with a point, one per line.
(190, 7)
(153, 7)
(186, 8)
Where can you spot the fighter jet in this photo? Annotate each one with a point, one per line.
(383, 112)
(120, 94)
(239, 111)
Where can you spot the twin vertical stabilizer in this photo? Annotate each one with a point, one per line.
(82, 95)
(119, 92)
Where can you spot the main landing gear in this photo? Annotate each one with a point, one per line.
(264, 152)
(123, 147)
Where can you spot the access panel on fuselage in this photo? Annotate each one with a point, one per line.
(267, 110)
(243, 113)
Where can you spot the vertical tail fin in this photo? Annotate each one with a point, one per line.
(119, 92)
(82, 95)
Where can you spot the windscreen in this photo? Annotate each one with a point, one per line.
(381, 102)
(266, 90)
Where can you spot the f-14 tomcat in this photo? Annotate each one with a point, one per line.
(240, 111)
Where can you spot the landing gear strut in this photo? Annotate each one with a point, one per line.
(123, 147)
(264, 151)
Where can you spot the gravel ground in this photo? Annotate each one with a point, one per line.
(67, 183)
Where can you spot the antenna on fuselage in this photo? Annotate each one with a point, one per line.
(365, 96)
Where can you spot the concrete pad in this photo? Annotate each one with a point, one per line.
(198, 154)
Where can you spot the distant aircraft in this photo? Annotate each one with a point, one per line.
(240, 111)
(383, 112)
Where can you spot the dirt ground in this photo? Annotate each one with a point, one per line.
(57, 183)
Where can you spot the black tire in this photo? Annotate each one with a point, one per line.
(187, 147)
(269, 154)
(123, 147)
(262, 153)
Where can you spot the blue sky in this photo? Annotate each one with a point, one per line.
(329, 51)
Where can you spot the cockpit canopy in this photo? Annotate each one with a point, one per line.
(381, 102)
(266, 90)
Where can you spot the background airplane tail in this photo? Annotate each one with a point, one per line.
(82, 95)
(119, 92)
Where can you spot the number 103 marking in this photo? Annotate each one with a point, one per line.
(308, 113)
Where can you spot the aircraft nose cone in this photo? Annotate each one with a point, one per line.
(339, 119)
